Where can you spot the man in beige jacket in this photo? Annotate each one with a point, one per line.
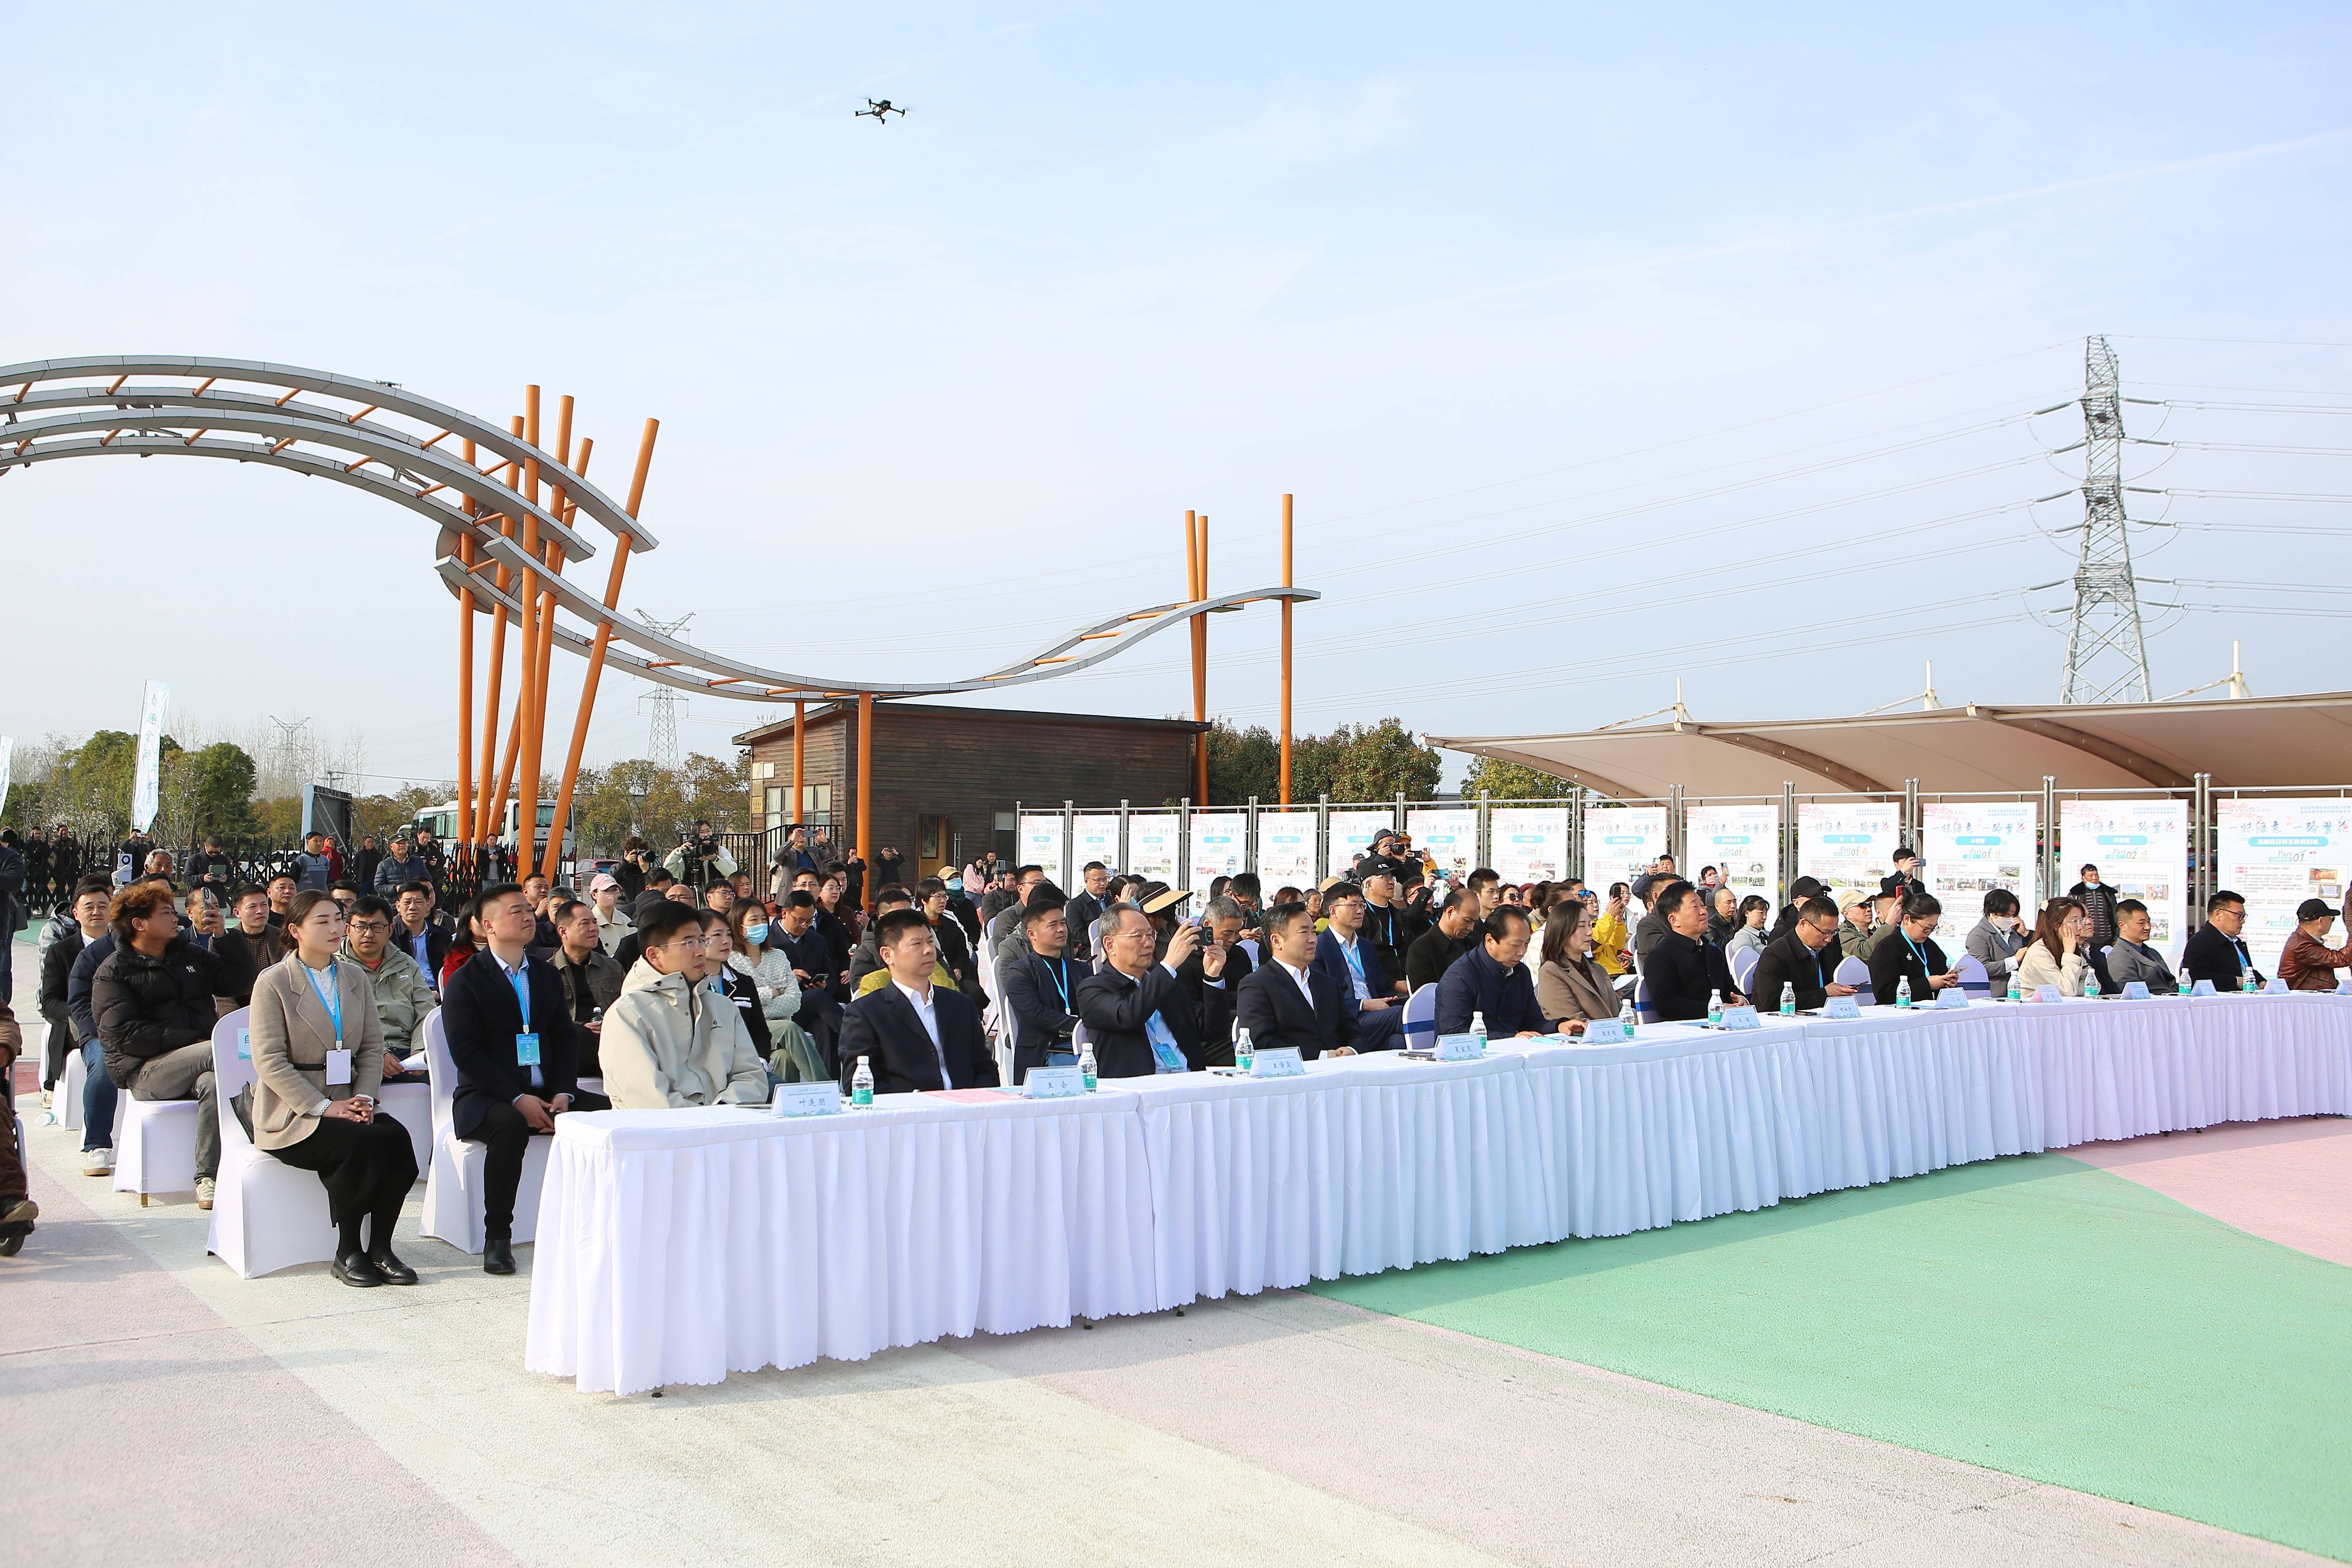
(668, 1041)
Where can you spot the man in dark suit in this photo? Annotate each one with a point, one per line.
(1287, 1002)
(1805, 956)
(1492, 980)
(914, 1035)
(416, 934)
(1141, 1018)
(1683, 966)
(1085, 907)
(2216, 950)
(1347, 956)
(1041, 989)
(517, 1064)
(1434, 950)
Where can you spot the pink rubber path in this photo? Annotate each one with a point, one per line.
(2288, 1182)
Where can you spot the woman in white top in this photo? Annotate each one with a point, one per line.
(770, 972)
(613, 922)
(1754, 910)
(2055, 956)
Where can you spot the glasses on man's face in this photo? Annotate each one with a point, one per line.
(689, 941)
(369, 928)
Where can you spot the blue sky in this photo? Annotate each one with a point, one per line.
(1598, 345)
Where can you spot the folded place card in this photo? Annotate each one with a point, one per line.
(1604, 1032)
(2276, 986)
(1951, 996)
(2135, 990)
(2203, 988)
(1843, 1007)
(1458, 1048)
(2046, 993)
(1283, 1061)
(805, 1099)
(1741, 1018)
(1055, 1083)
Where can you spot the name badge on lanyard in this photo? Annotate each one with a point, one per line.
(525, 1042)
(330, 996)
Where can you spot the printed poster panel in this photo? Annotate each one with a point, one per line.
(1450, 835)
(1092, 838)
(1741, 841)
(1969, 847)
(1530, 842)
(1847, 844)
(1286, 851)
(1220, 848)
(146, 784)
(2274, 854)
(1619, 842)
(1152, 840)
(1041, 845)
(2141, 848)
(1351, 835)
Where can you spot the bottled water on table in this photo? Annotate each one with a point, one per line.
(861, 1084)
(1903, 991)
(1086, 1064)
(1715, 1007)
(1245, 1053)
(1478, 1029)
(1788, 998)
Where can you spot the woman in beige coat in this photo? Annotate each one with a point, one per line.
(1569, 985)
(318, 1058)
(2055, 956)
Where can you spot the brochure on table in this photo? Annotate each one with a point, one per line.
(1743, 842)
(1969, 847)
(1220, 848)
(1151, 846)
(2276, 853)
(1620, 841)
(2141, 848)
(1449, 835)
(1285, 850)
(1529, 842)
(1093, 838)
(1847, 844)
(1351, 835)
(1041, 845)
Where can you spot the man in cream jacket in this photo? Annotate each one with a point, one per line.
(668, 1041)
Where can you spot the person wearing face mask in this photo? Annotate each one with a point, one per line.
(1995, 940)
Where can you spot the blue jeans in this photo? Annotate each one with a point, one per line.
(97, 1093)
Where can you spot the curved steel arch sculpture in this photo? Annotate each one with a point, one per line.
(501, 549)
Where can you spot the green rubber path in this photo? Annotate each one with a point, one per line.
(2033, 1315)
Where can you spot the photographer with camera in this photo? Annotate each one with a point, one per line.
(700, 858)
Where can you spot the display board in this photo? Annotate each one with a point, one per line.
(1529, 843)
(1041, 845)
(1847, 844)
(1220, 848)
(1152, 840)
(1969, 847)
(2141, 848)
(1450, 835)
(1620, 841)
(1742, 841)
(1351, 835)
(2274, 854)
(1092, 838)
(1285, 850)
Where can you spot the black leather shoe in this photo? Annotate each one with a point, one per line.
(355, 1270)
(498, 1256)
(394, 1271)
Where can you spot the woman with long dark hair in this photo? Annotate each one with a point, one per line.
(2057, 955)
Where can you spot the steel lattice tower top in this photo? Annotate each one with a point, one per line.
(661, 740)
(2107, 658)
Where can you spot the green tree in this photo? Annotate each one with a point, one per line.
(1244, 763)
(1513, 781)
(1378, 762)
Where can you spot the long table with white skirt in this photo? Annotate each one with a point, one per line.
(677, 1246)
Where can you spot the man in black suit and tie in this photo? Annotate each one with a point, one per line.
(1041, 988)
(912, 1033)
(1287, 1002)
(1143, 1018)
(510, 1035)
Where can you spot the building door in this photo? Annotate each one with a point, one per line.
(934, 847)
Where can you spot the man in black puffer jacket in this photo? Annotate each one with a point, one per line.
(153, 1002)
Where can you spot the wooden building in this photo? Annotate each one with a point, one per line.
(946, 780)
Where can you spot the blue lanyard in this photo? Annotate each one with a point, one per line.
(1914, 946)
(1061, 983)
(521, 984)
(1355, 963)
(330, 997)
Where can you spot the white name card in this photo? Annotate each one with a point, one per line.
(1741, 1018)
(2203, 988)
(1604, 1032)
(1055, 1083)
(2135, 990)
(805, 1099)
(1951, 996)
(2275, 987)
(1843, 1007)
(1458, 1048)
(2046, 993)
(1282, 1061)
(244, 1045)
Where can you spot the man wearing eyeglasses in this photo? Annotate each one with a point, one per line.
(1806, 956)
(403, 999)
(670, 1039)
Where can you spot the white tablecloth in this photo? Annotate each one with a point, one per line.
(677, 1246)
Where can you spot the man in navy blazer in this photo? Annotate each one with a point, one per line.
(1119, 1006)
(1492, 979)
(1345, 954)
(1040, 987)
(914, 1035)
(501, 1099)
(1286, 1002)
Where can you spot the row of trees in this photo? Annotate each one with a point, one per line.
(1356, 761)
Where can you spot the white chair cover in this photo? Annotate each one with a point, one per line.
(1645, 1010)
(266, 1216)
(65, 1105)
(154, 1145)
(1421, 1019)
(1743, 964)
(1974, 977)
(1852, 971)
(453, 1181)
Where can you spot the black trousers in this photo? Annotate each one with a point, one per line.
(367, 1169)
(506, 1136)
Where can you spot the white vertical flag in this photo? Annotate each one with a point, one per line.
(147, 787)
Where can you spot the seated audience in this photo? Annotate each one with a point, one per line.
(2308, 964)
(2131, 958)
(1747, 933)
(1342, 953)
(1908, 948)
(152, 998)
(1804, 956)
(1040, 990)
(1447, 939)
(1995, 940)
(1570, 984)
(672, 1039)
(1140, 1018)
(397, 986)
(1287, 1002)
(2058, 953)
(914, 1032)
(1682, 967)
(1491, 981)
(592, 977)
(2216, 950)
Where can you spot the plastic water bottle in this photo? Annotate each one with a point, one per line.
(861, 1084)
(1903, 991)
(1627, 1017)
(2016, 991)
(1478, 1029)
(1788, 998)
(1715, 1008)
(1245, 1053)
(1087, 1064)
(2090, 986)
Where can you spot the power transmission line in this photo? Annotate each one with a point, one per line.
(661, 738)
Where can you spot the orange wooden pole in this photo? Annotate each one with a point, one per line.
(483, 830)
(1286, 652)
(531, 701)
(865, 791)
(494, 820)
(465, 682)
(1200, 665)
(1192, 635)
(800, 751)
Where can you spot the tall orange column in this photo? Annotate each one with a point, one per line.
(866, 790)
(1201, 663)
(1286, 652)
(466, 679)
(800, 755)
(533, 700)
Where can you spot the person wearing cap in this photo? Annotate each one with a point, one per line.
(2131, 958)
(2308, 964)
(1344, 954)
(1903, 883)
(1801, 892)
(2216, 950)
(1138, 1015)
(1388, 926)
(613, 922)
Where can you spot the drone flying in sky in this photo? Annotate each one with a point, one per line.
(881, 112)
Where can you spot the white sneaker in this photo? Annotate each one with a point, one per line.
(98, 1162)
(203, 1192)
